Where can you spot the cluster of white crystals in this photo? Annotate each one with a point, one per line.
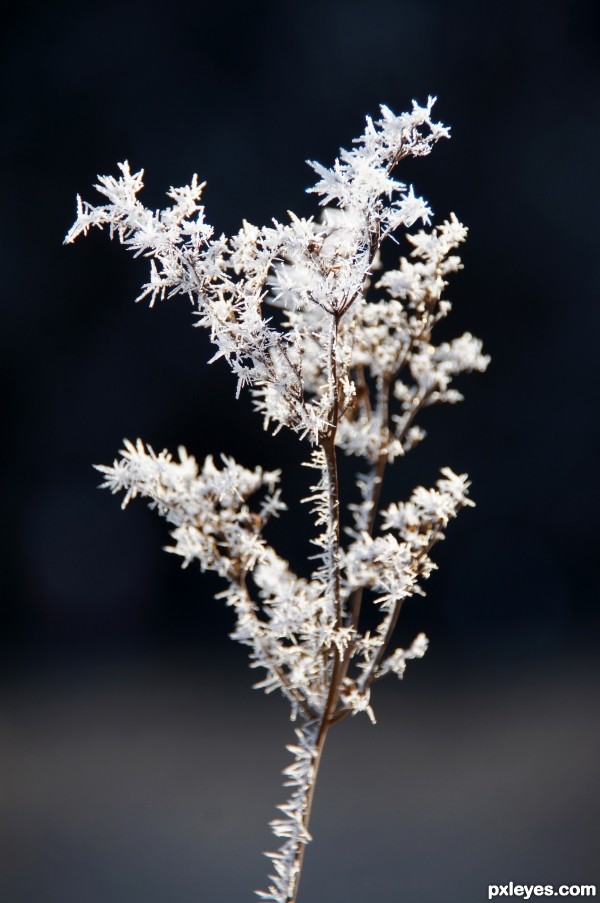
(348, 363)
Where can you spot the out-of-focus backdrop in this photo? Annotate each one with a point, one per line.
(137, 766)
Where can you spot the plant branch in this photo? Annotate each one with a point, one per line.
(265, 656)
(310, 786)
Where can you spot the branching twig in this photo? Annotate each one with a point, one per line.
(329, 371)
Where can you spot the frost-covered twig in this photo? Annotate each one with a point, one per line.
(348, 365)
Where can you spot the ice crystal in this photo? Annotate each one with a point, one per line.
(347, 364)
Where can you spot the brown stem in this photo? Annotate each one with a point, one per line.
(340, 663)
(329, 449)
(310, 795)
(374, 502)
(327, 442)
(383, 392)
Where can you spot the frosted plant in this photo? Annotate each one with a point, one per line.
(347, 364)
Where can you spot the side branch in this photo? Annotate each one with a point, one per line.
(327, 443)
(329, 449)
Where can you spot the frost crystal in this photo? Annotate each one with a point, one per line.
(347, 363)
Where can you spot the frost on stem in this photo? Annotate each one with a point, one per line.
(349, 367)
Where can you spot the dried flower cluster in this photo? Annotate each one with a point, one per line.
(348, 363)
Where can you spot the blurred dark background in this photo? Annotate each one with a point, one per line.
(137, 765)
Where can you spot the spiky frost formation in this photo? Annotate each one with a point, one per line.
(349, 367)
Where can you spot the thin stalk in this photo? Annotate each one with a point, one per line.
(327, 442)
(309, 798)
(383, 402)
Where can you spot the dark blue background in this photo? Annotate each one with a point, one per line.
(104, 637)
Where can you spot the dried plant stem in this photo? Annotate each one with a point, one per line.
(329, 449)
(333, 505)
(307, 809)
(333, 580)
(328, 367)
